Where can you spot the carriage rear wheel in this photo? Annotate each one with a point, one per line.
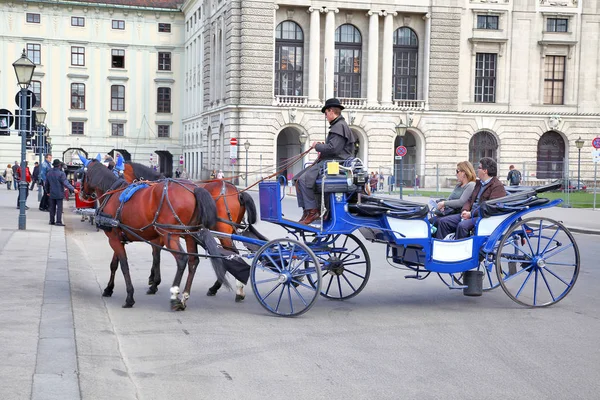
(539, 262)
(280, 273)
(345, 266)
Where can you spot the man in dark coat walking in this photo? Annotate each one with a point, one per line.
(488, 187)
(35, 175)
(56, 181)
(339, 145)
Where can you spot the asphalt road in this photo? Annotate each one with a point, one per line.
(398, 339)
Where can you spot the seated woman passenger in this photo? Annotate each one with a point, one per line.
(459, 196)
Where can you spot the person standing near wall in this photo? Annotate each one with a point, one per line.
(56, 181)
(44, 169)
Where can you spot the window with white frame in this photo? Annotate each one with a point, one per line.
(557, 25)
(76, 128)
(77, 96)
(33, 18)
(117, 58)
(78, 55)
(164, 131)
(34, 52)
(485, 77)
(487, 22)
(117, 129)
(77, 21)
(554, 79)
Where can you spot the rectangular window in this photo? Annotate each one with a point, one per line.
(118, 24)
(557, 25)
(487, 22)
(36, 88)
(33, 18)
(162, 27)
(117, 130)
(76, 128)
(164, 131)
(34, 53)
(554, 80)
(164, 100)
(77, 21)
(118, 58)
(77, 96)
(77, 55)
(485, 78)
(117, 98)
(164, 61)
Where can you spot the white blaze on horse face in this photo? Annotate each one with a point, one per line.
(174, 292)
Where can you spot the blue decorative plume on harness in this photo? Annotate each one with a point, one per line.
(130, 191)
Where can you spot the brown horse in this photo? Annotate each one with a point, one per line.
(162, 212)
(231, 208)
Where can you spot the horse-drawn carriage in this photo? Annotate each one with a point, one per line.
(534, 259)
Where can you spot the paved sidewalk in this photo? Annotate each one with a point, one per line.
(37, 336)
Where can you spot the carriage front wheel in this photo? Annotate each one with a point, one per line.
(280, 276)
(538, 263)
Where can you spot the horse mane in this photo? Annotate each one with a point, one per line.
(145, 173)
(99, 176)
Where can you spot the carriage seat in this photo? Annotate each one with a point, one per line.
(349, 177)
(517, 201)
(370, 206)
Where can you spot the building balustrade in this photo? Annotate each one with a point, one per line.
(285, 101)
(415, 105)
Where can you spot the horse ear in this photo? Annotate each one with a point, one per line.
(99, 158)
(84, 160)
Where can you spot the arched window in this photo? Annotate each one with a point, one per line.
(289, 59)
(406, 48)
(550, 156)
(348, 48)
(482, 144)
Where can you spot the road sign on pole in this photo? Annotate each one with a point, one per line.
(181, 160)
(400, 151)
(233, 141)
(596, 143)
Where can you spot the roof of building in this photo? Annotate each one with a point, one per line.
(171, 4)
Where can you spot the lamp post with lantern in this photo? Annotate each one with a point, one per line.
(40, 117)
(24, 68)
(247, 147)
(401, 132)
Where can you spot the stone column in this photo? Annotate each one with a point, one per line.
(387, 59)
(314, 55)
(427, 52)
(373, 58)
(329, 50)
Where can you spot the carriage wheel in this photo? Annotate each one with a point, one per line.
(539, 262)
(345, 266)
(279, 274)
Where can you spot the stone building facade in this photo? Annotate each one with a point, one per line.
(513, 79)
(107, 73)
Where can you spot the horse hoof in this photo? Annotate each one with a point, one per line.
(239, 298)
(127, 305)
(107, 293)
(151, 291)
(211, 293)
(177, 305)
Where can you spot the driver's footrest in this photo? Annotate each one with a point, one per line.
(417, 276)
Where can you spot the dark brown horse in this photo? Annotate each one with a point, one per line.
(159, 213)
(231, 204)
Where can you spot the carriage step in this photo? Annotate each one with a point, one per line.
(417, 276)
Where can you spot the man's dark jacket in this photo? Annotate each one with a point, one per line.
(56, 181)
(340, 141)
(493, 190)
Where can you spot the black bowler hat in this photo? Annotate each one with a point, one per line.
(332, 103)
(56, 162)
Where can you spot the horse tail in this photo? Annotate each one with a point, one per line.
(208, 242)
(248, 202)
(205, 207)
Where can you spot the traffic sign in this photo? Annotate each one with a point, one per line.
(233, 151)
(30, 99)
(181, 160)
(398, 157)
(400, 151)
(233, 141)
(596, 143)
(596, 155)
(6, 121)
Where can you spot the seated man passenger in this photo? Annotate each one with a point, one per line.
(488, 187)
(339, 145)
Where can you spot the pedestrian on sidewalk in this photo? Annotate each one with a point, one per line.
(8, 176)
(35, 175)
(27, 180)
(56, 181)
(44, 169)
(391, 181)
(381, 180)
(16, 178)
(514, 176)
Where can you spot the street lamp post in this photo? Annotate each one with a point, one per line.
(579, 143)
(400, 132)
(24, 70)
(40, 117)
(247, 147)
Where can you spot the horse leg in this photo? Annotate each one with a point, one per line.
(212, 291)
(114, 265)
(181, 260)
(119, 249)
(193, 261)
(214, 288)
(239, 294)
(154, 279)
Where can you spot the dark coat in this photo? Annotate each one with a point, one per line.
(55, 182)
(493, 190)
(340, 141)
(36, 173)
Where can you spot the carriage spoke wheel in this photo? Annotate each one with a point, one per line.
(345, 266)
(279, 274)
(539, 262)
